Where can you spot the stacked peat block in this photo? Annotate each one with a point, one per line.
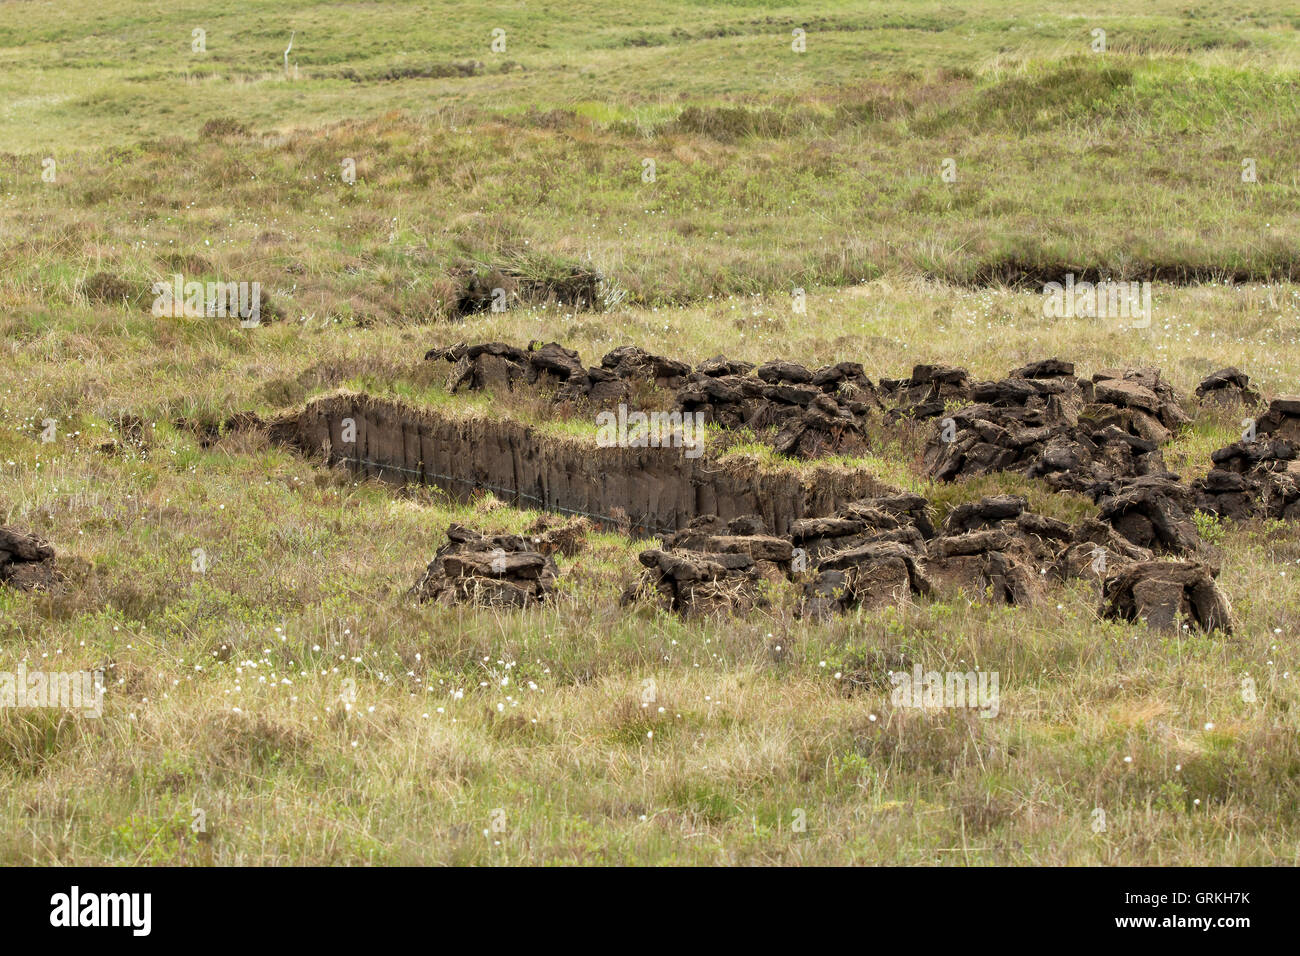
(902, 518)
(626, 364)
(1128, 416)
(1152, 511)
(503, 570)
(1164, 592)
(713, 566)
(996, 546)
(576, 287)
(1096, 550)
(1044, 422)
(814, 412)
(1143, 403)
(810, 412)
(927, 393)
(26, 561)
(867, 554)
(1100, 437)
(1227, 388)
(502, 368)
(550, 534)
(884, 551)
(494, 366)
(1258, 476)
(870, 575)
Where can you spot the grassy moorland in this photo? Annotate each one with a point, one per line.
(773, 170)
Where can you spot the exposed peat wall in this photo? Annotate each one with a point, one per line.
(658, 489)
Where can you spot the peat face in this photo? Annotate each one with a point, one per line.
(645, 490)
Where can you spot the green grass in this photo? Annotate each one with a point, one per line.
(1128, 162)
(773, 171)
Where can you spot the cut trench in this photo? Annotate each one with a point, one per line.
(641, 490)
(1029, 276)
